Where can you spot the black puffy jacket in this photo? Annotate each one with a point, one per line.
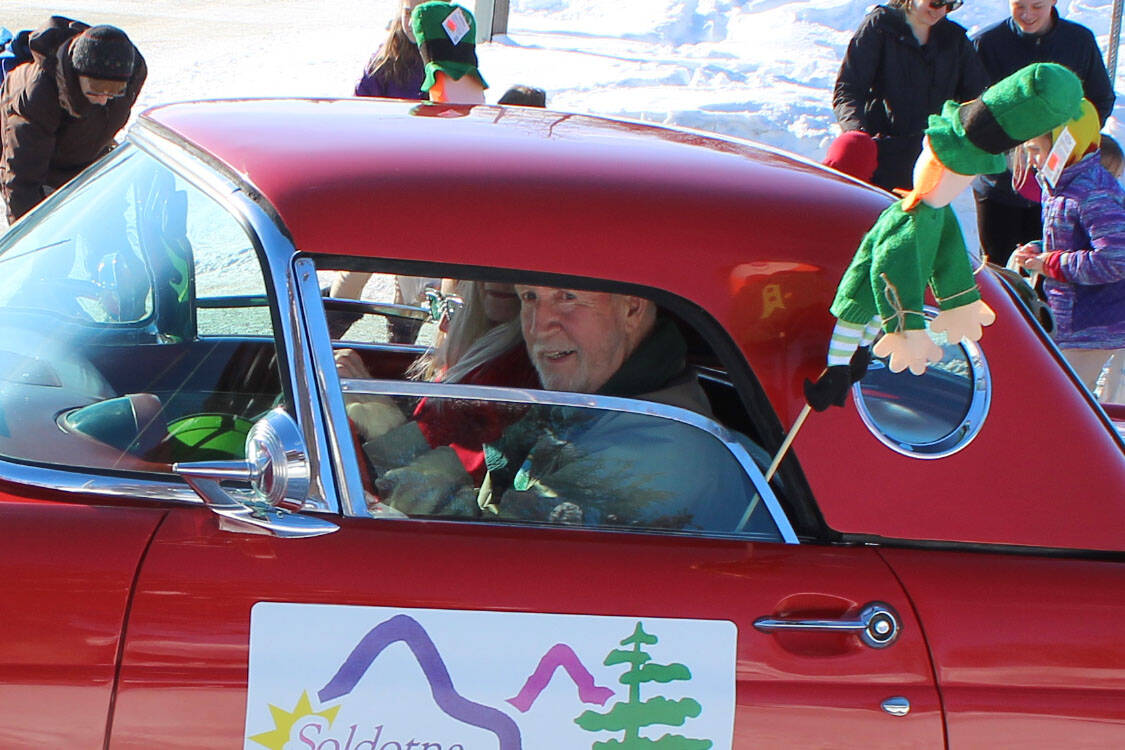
(889, 85)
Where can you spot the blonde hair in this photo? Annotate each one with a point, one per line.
(472, 340)
(398, 57)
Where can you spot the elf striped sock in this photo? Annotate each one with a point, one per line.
(847, 337)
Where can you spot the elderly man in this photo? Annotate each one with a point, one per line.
(594, 466)
(60, 111)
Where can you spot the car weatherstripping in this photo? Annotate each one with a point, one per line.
(278, 453)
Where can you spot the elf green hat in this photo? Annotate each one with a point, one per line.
(447, 37)
(970, 138)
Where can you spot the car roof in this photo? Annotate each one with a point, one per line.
(375, 177)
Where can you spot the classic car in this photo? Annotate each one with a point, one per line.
(206, 545)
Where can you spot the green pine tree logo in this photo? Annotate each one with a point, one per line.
(631, 715)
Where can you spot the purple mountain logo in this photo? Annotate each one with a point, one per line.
(560, 656)
(407, 630)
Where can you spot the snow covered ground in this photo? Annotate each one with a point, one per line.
(757, 69)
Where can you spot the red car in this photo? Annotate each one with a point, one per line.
(211, 538)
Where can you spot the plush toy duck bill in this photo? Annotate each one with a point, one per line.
(917, 241)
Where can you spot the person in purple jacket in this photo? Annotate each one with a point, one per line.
(396, 70)
(1082, 254)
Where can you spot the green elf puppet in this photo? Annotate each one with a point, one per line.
(447, 40)
(917, 241)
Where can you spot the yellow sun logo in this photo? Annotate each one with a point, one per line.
(284, 721)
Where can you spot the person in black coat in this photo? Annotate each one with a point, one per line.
(905, 60)
(60, 112)
(1033, 33)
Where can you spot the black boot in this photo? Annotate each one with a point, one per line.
(831, 388)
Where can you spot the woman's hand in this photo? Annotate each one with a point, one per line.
(349, 364)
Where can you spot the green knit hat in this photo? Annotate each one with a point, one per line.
(447, 38)
(970, 138)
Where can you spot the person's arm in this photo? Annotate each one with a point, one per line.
(628, 471)
(856, 77)
(1095, 79)
(29, 142)
(974, 76)
(1104, 261)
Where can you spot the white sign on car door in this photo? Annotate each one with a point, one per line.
(333, 677)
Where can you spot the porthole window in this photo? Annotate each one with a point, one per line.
(930, 415)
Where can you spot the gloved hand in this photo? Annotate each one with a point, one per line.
(831, 388)
(374, 415)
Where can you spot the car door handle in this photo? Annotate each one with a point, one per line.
(877, 625)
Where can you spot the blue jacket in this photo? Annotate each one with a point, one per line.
(1084, 220)
(1004, 49)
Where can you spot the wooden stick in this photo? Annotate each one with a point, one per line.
(788, 442)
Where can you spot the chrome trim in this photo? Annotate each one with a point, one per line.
(588, 401)
(378, 308)
(75, 482)
(877, 626)
(896, 705)
(231, 300)
(341, 451)
(252, 515)
(964, 433)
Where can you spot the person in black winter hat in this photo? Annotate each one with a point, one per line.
(60, 112)
(103, 52)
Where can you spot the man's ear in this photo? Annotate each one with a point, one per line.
(639, 313)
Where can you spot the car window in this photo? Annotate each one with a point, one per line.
(929, 415)
(131, 310)
(451, 456)
(392, 309)
(610, 466)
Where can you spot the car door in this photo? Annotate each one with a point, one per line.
(1026, 647)
(184, 674)
(407, 632)
(66, 575)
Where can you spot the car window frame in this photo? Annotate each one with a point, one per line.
(798, 504)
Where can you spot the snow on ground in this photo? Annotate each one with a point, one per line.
(757, 69)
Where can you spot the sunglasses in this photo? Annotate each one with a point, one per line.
(101, 87)
(949, 5)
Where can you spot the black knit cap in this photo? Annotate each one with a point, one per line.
(103, 52)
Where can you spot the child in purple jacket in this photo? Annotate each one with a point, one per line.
(396, 70)
(1082, 254)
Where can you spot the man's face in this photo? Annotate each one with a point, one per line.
(1032, 16)
(575, 339)
(99, 90)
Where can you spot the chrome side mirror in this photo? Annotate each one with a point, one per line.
(276, 471)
